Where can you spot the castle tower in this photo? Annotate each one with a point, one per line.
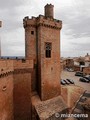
(42, 38)
(49, 54)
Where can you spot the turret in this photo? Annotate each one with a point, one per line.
(49, 11)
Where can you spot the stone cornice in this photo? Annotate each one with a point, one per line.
(49, 26)
(6, 74)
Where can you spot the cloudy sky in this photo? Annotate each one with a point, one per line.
(75, 33)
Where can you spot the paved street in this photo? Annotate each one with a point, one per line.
(71, 75)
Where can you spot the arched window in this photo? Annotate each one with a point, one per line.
(48, 48)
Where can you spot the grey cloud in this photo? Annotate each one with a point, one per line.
(11, 3)
(81, 46)
(76, 19)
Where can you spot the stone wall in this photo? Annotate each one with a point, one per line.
(6, 95)
(6, 65)
(71, 94)
(64, 94)
(22, 89)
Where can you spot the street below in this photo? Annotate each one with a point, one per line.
(71, 75)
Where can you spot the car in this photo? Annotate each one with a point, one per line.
(63, 82)
(83, 80)
(67, 82)
(79, 74)
(87, 77)
(71, 81)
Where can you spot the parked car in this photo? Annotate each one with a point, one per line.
(87, 77)
(84, 80)
(79, 74)
(71, 81)
(63, 82)
(67, 82)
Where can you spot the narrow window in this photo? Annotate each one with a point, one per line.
(32, 32)
(48, 47)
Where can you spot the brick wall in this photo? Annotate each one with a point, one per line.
(22, 89)
(6, 96)
(6, 65)
(49, 68)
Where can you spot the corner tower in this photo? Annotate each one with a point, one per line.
(44, 47)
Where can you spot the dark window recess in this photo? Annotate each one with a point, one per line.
(48, 47)
(32, 32)
(48, 53)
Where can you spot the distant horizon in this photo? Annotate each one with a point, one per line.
(23, 56)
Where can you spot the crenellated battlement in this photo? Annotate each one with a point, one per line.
(6, 65)
(42, 21)
(29, 22)
(23, 64)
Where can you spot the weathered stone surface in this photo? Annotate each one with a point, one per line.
(6, 96)
(47, 109)
(71, 94)
(15, 103)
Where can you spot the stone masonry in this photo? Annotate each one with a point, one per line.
(39, 32)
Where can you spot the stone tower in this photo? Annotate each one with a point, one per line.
(49, 11)
(42, 44)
